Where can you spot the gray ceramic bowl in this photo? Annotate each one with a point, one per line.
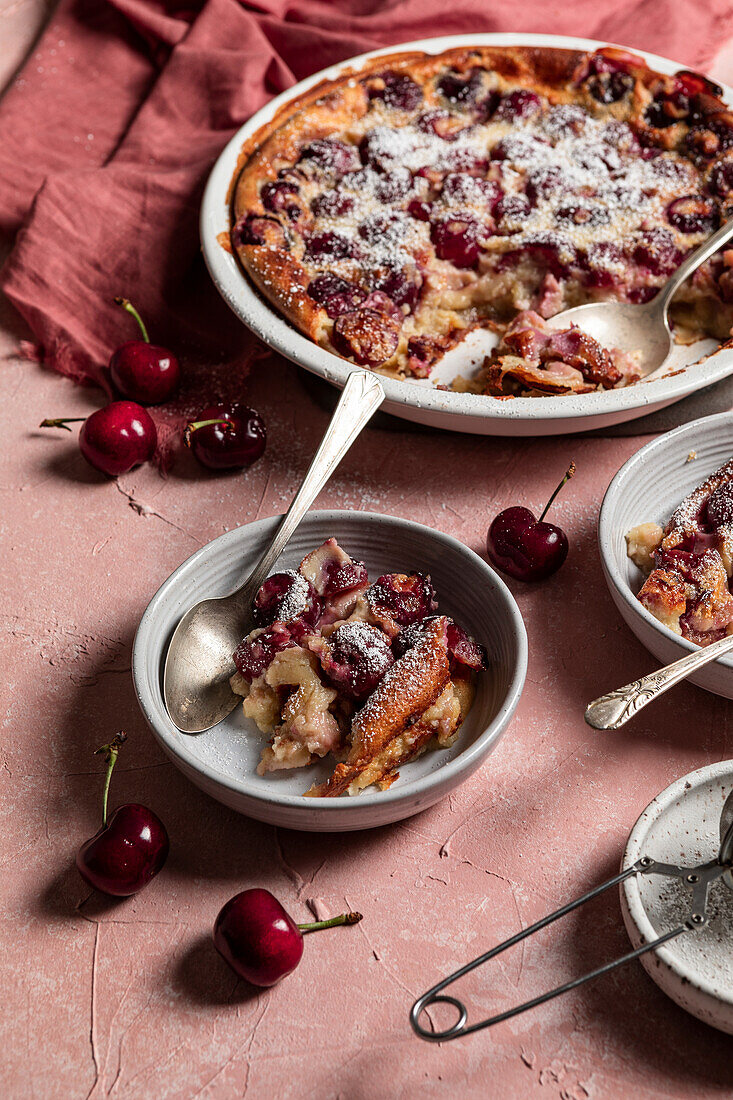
(223, 760)
(649, 487)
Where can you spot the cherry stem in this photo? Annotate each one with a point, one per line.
(568, 475)
(111, 752)
(131, 309)
(343, 918)
(194, 425)
(62, 422)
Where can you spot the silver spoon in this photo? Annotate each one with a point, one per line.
(613, 710)
(199, 660)
(643, 328)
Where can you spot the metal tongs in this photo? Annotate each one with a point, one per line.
(696, 879)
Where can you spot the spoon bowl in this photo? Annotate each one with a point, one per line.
(642, 328)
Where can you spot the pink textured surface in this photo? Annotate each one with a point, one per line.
(129, 999)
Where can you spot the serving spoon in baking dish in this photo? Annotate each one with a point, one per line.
(199, 661)
(643, 328)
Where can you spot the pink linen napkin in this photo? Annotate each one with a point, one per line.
(110, 130)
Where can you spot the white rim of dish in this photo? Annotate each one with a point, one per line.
(606, 532)
(174, 742)
(630, 889)
(266, 323)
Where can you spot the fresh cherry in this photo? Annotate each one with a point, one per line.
(114, 439)
(131, 846)
(143, 371)
(226, 437)
(260, 940)
(525, 547)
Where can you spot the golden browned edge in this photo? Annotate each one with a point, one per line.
(328, 107)
(398, 698)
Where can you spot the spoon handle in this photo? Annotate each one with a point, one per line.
(693, 261)
(361, 397)
(613, 710)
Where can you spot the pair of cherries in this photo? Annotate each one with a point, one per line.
(253, 932)
(123, 435)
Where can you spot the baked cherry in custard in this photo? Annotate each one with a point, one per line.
(114, 439)
(143, 371)
(131, 846)
(226, 437)
(260, 940)
(526, 547)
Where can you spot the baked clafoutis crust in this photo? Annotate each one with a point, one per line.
(389, 212)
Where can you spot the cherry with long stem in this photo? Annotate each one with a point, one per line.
(527, 548)
(131, 845)
(141, 370)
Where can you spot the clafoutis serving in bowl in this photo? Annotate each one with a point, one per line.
(391, 210)
(224, 761)
(665, 542)
(369, 673)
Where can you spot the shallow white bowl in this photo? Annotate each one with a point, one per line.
(681, 826)
(420, 401)
(648, 488)
(223, 760)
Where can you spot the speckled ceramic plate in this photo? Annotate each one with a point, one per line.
(421, 401)
(649, 487)
(681, 826)
(223, 760)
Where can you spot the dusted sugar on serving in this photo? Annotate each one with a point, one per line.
(390, 211)
(689, 562)
(533, 358)
(368, 673)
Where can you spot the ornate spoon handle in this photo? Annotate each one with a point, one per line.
(614, 709)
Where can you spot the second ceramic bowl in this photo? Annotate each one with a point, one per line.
(223, 760)
(649, 487)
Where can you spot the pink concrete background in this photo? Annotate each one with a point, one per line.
(129, 999)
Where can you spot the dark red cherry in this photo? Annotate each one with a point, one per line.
(705, 140)
(397, 90)
(285, 596)
(355, 658)
(721, 178)
(519, 104)
(335, 294)
(260, 940)
(254, 655)
(330, 246)
(457, 240)
(403, 598)
(259, 229)
(526, 547)
(280, 197)
(693, 214)
(226, 437)
(656, 250)
(462, 648)
(143, 371)
(330, 157)
(344, 576)
(419, 209)
(114, 439)
(462, 88)
(332, 204)
(130, 847)
(610, 87)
